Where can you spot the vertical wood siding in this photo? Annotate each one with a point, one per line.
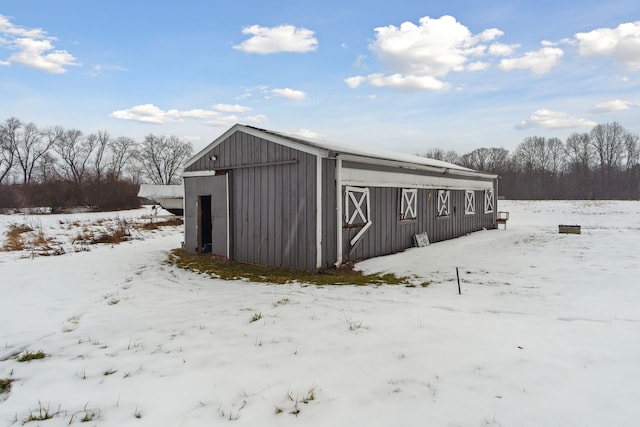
(388, 234)
(329, 248)
(272, 208)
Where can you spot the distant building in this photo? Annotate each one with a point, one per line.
(169, 197)
(270, 198)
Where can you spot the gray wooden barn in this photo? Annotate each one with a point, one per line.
(270, 198)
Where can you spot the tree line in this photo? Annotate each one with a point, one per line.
(61, 168)
(601, 164)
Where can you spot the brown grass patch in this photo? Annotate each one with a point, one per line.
(116, 234)
(15, 240)
(175, 221)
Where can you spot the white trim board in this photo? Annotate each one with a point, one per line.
(369, 178)
(319, 211)
(194, 174)
(453, 169)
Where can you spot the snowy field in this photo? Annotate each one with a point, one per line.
(545, 333)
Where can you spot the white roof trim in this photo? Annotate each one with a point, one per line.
(190, 174)
(444, 169)
(367, 178)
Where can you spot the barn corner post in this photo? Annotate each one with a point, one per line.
(319, 210)
(338, 211)
(497, 198)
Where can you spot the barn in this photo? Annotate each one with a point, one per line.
(270, 198)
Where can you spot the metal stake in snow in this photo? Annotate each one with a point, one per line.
(458, 276)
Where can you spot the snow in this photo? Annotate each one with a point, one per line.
(546, 332)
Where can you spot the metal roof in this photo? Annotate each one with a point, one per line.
(332, 149)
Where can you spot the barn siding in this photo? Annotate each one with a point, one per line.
(329, 248)
(389, 234)
(272, 208)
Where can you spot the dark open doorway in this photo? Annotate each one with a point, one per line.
(206, 226)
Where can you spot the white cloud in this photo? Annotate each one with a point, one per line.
(98, 69)
(308, 133)
(621, 43)
(354, 82)
(223, 121)
(196, 114)
(283, 38)
(610, 106)
(7, 28)
(231, 108)
(33, 48)
(288, 93)
(501, 49)
(419, 55)
(149, 113)
(258, 118)
(547, 119)
(399, 81)
(360, 61)
(538, 62)
(478, 66)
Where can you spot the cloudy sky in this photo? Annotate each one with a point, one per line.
(402, 75)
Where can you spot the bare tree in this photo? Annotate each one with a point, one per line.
(29, 148)
(74, 151)
(123, 151)
(439, 154)
(46, 170)
(579, 151)
(100, 159)
(608, 142)
(433, 153)
(452, 157)
(163, 157)
(632, 149)
(556, 155)
(477, 159)
(526, 154)
(8, 144)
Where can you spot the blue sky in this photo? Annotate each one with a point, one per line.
(404, 75)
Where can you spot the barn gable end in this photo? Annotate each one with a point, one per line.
(271, 199)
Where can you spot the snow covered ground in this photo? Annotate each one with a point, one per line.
(545, 333)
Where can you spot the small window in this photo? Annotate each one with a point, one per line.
(357, 206)
(469, 202)
(408, 204)
(443, 202)
(489, 201)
